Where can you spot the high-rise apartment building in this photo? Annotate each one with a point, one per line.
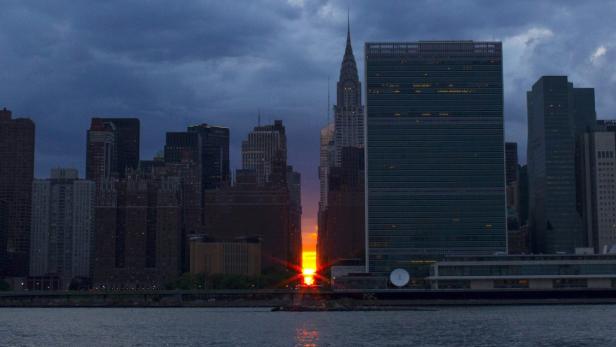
(265, 152)
(16, 175)
(62, 226)
(557, 114)
(249, 209)
(138, 232)
(435, 179)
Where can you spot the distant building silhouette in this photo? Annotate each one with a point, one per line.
(206, 145)
(435, 152)
(557, 114)
(127, 133)
(138, 232)
(182, 147)
(515, 237)
(251, 209)
(191, 197)
(214, 155)
(294, 186)
(100, 149)
(343, 234)
(112, 147)
(265, 152)
(511, 162)
(326, 161)
(4, 228)
(62, 226)
(16, 176)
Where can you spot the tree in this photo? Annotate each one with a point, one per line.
(188, 281)
(4, 286)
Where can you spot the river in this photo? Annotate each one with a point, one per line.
(562, 325)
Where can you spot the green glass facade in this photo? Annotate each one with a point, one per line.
(434, 152)
(557, 114)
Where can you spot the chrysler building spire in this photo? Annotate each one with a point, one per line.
(349, 125)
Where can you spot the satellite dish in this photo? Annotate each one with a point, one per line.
(399, 277)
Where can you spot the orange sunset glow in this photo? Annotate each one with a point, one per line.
(309, 256)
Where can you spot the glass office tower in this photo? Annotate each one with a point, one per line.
(435, 152)
(558, 114)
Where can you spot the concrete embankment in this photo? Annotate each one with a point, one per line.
(308, 300)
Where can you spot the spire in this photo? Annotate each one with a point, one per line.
(348, 25)
(349, 49)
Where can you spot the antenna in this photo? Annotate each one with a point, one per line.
(348, 20)
(259, 117)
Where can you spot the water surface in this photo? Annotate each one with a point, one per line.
(584, 325)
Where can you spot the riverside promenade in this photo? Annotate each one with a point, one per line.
(308, 299)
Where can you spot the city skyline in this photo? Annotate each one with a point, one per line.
(308, 172)
(170, 85)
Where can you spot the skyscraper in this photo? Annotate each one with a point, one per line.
(294, 186)
(511, 177)
(127, 137)
(557, 114)
(112, 147)
(214, 154)
(100, 149)
(435, 159)
(326, 158)
(597, 168)
(265, 152)
(62, 226)
(343, 235)
(341, 225)
(16, 175)
(182, 146)
(511, 162)
(4, 226)
(348, 112)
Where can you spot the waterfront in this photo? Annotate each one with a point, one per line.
(556, 325)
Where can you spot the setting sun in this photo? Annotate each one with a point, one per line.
(309, 265)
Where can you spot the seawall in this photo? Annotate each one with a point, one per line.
(308, 300)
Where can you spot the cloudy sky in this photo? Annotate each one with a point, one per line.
(174, 63)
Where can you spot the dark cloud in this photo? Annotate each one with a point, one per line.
(173, 63)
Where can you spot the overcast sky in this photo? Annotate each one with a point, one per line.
(175, 63)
